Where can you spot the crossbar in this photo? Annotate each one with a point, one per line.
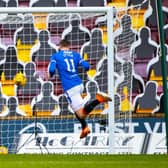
(54, 9)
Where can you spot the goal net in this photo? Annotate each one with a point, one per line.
(35, 115)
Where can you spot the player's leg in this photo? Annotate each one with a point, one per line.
(82, 121)
(87, 108)
(85, 129)
(100, 98)
(103, 97)
(77, 105)
(76, 101)
(82, 109)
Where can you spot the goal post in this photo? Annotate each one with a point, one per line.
(110, 55)
(26, 124)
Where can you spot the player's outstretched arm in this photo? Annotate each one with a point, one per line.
(51, 68)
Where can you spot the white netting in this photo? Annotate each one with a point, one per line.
(128, 84)
(30, 104)
(36, 117)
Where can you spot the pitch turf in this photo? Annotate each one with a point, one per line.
(83, 161)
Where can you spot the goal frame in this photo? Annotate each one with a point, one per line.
(110, 47)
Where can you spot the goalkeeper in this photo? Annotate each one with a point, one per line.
(66, 62)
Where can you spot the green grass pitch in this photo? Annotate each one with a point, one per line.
(83, 161)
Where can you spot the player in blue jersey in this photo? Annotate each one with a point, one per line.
(67, 62)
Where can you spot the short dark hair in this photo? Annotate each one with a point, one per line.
(64, 43)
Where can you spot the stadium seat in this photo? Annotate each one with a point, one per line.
(8, 75)
(41, 53)
(46, 103)
(165, 3)
(25, 38)
(23, 3)
(151, 21)
(76, 33)
(72, 3)
(94, 50)
(142, 51)
(31, 89)
(125, 104)
(40, 19)
(137, 18)
(137, 10)
(148, 101)
(154, 71)
(117, 3)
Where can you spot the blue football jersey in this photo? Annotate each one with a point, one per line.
(67, 62)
